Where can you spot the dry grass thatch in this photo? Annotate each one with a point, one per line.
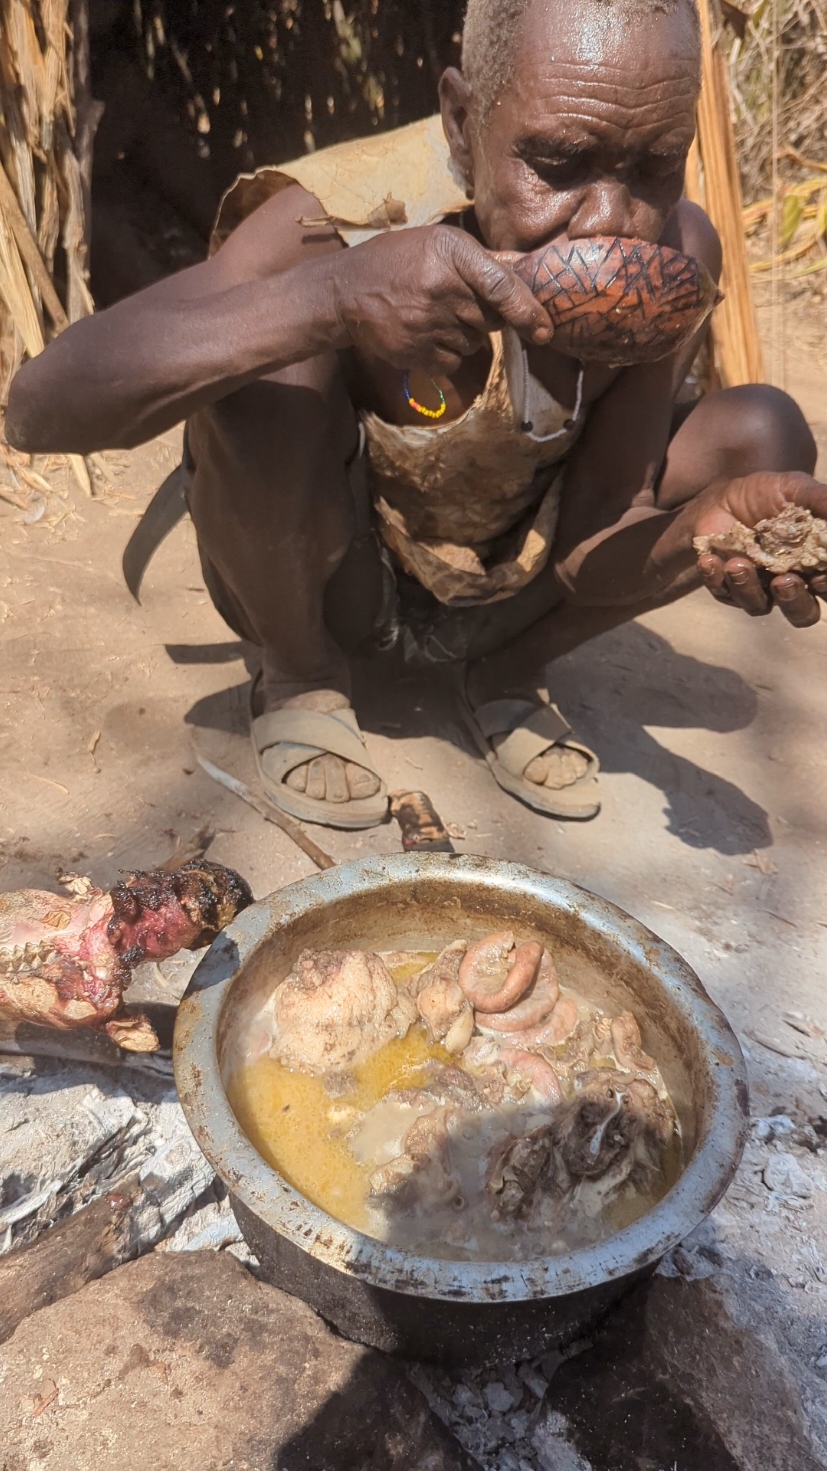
(792, 224)
(47, 124)
(712, 181)
(778, 72)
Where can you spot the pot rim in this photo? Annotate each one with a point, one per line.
(207, 1109)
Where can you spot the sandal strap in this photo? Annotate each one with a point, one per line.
(529, 729)
(290, 737)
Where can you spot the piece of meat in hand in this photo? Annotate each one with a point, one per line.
(66, 961)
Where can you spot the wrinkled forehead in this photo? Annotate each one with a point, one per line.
(595, 32)
(603, 64)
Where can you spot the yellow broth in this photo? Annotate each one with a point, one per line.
(300, 1129)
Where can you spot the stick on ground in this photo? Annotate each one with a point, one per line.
(269, 812)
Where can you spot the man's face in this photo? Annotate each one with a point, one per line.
(591, 135)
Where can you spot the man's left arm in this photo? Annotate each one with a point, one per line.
(613, 545)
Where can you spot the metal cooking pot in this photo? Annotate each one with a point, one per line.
(446, 1311)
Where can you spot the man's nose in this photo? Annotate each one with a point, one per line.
(605, 209)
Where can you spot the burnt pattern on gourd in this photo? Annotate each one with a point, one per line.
(619, 301)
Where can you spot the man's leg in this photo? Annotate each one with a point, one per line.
(274, 515)
(734, 432)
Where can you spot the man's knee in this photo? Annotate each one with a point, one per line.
(767, 428)
(271, 461)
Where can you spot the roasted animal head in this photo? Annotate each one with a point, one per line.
(186, 909)
(66, 962)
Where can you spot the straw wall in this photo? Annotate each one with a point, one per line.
(47, 124)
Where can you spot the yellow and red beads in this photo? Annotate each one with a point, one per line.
(420, 408)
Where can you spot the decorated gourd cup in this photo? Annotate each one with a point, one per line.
(619, 301)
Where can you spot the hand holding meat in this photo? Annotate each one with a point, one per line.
(762, 543)
(65, 962)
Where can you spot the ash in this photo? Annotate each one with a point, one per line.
(502, 1416)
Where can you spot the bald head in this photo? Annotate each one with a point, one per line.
(494, 28)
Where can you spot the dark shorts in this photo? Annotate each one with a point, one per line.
(406, 613)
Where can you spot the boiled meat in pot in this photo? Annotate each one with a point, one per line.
(464, 1103)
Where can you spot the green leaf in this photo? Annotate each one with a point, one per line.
(791, 211)
(821, 215)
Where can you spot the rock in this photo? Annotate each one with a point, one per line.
(695, 1258)
(185, 1362)
(645, 1420)
(723, 1342)
(498, 1398)
(693, 1373)
(777, 1126)
(536, 1381)
(552, 1445)
(784, 1174)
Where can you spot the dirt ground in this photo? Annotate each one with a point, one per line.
(710, 730)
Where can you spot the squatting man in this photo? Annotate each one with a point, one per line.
(383, 441)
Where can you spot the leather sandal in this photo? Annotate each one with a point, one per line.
(284, 739)
(530, 729)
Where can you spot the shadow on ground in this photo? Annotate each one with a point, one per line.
(611, 690)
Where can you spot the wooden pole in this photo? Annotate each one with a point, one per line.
(78, 1250)
(734, 331)
(87, 116)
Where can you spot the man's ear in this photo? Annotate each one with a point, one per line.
(455, 106)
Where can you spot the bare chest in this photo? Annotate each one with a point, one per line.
(392, 395)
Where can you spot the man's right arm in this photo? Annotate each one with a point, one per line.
(277, 293)
(125, 374)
